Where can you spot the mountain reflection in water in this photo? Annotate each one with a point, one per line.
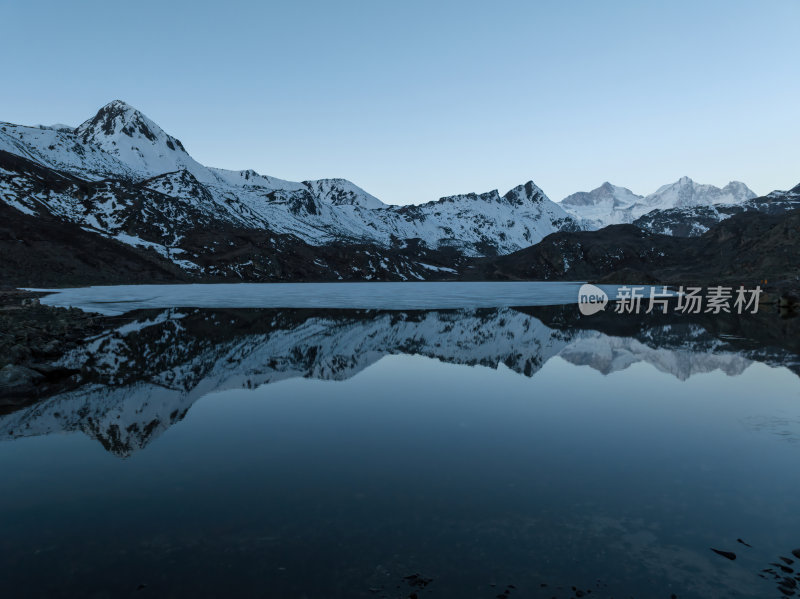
(142, 376)
(492, 452)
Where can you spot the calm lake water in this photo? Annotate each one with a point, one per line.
(482, 451)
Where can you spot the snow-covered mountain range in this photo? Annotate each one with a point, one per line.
(682, 209)
(120, 175)
(613, 205)
(123, 181)
(692, 221)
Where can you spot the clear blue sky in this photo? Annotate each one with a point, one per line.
(415, 100)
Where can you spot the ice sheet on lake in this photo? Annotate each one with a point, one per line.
(114, 300)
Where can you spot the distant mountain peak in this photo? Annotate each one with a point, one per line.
(524, 194)
(685, 193)
(610, 204)
(737, 186)
(529, 193)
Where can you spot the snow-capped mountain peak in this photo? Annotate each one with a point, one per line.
(146, 190)
(611, 205)
(115, 118)
(341, 192)
(686, 193)
(607, 194)
(146, 149)
(739, 191)
(606, 205)
(526, 194)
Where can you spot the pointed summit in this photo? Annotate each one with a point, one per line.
(123, 131)
(114, 118)
(526, 193)
(614, 196)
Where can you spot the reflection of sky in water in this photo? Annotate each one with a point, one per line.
(471, 476)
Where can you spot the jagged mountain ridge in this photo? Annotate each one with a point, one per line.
(120, 176)
(613, 205)
(748, 248)
(125, 148)
(41, 250)
(607, 205)
(695, 221)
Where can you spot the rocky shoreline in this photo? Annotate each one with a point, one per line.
(32, 339)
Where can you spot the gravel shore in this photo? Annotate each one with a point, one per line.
(32, 339)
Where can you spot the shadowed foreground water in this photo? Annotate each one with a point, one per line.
(493, 452)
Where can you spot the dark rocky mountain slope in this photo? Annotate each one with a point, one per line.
(747, 248)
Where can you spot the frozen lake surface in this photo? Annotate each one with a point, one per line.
(119, 299)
